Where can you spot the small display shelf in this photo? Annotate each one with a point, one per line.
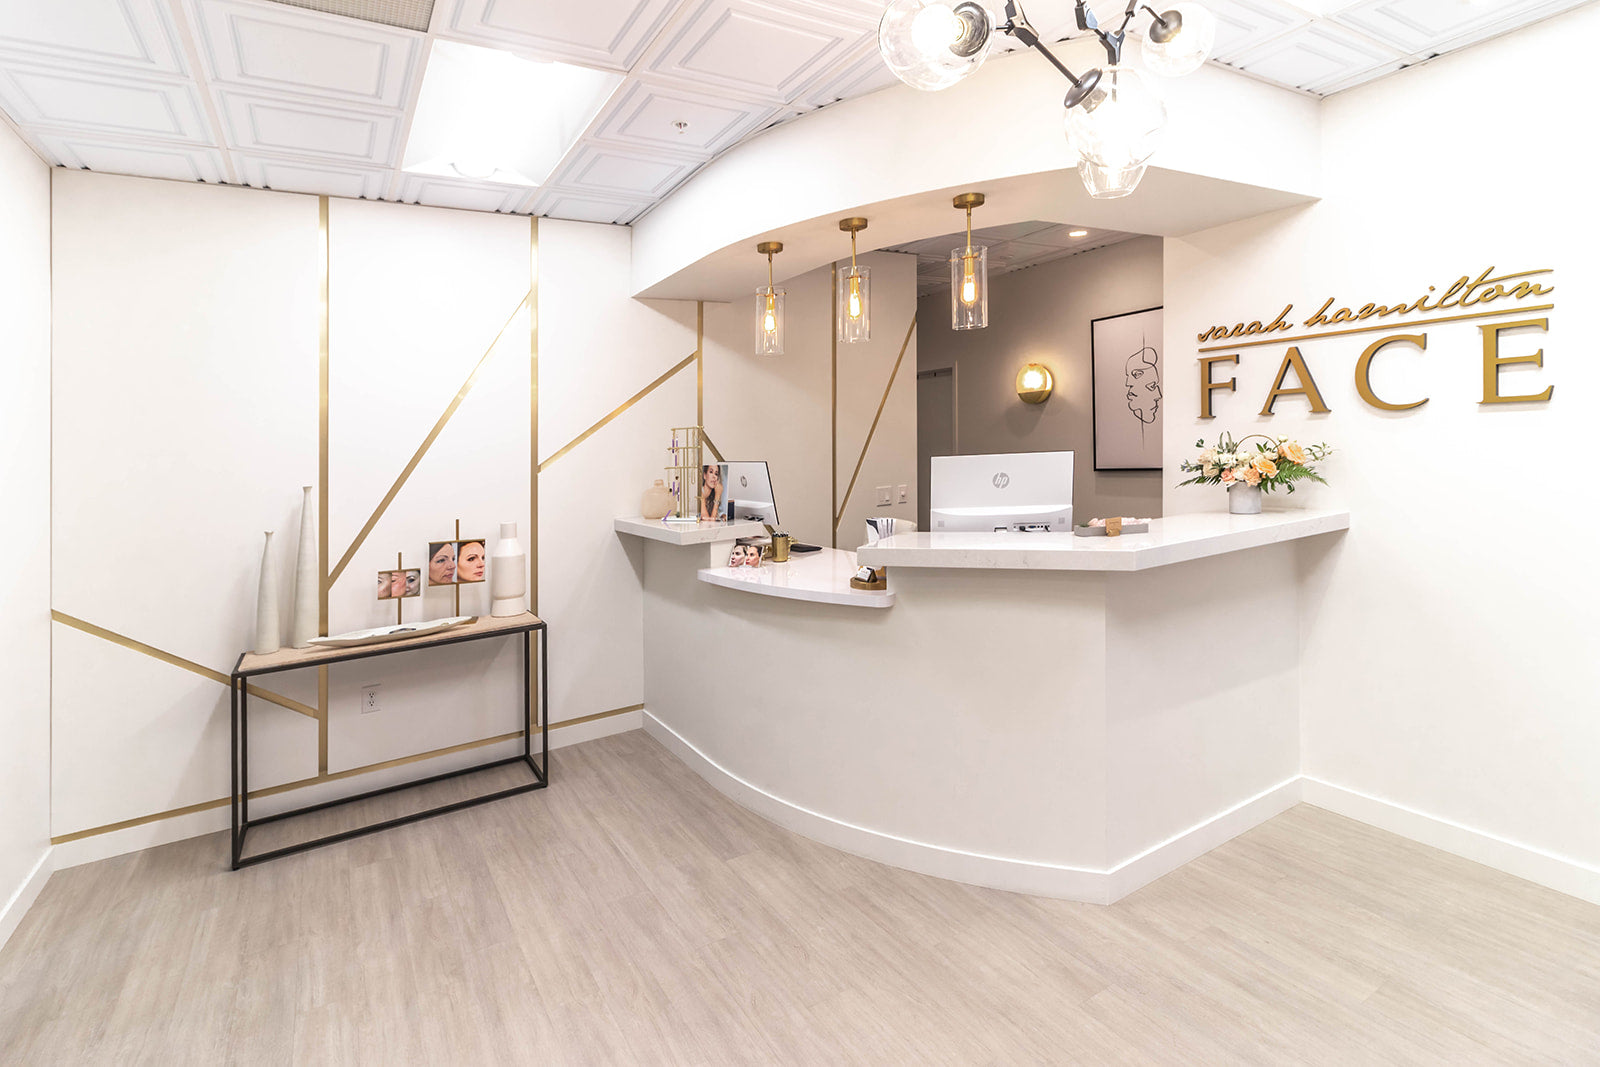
(250, 665)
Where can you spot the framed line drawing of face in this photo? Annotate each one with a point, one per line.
(441, 563)
(1127, 373)
(471, 559)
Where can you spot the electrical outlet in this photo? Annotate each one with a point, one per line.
(883, 495)
(369, 699)
(905, 497)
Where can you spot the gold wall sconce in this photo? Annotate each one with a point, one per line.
(854, 297)
(769, 307)
(1034, 383)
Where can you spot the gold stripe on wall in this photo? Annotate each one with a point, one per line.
(833, 385)
(255, 794)
(904, 345)
(1387, 326)
(177, 661)
(700, 364)
(427, 443)
(715, 451)
(619, 409)
(324, 308)
(533, 412)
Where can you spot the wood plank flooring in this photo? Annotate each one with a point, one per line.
(631, 914)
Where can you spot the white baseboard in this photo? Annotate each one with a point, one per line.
(1536, 865)
(196, 824)
(15, 908)
(996, 872)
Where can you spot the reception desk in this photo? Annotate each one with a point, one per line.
(1037, 712)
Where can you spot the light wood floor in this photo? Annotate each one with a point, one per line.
(631, 914)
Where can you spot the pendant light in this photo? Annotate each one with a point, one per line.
(969, 275)
(854, 294)
(769, 307)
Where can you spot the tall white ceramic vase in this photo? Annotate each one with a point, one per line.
(303, 625)
(508, 574)
(268, 632)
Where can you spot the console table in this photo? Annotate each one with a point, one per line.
(250, 665)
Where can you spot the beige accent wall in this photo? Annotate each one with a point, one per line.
(1042, 315)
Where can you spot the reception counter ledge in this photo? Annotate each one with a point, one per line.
(822, 577)
(1067, 732)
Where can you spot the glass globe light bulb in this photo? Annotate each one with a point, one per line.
(1119, 125)
(1185, 52)
(1109, 183)
(932, 44)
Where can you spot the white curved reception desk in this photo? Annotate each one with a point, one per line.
(1065, 716)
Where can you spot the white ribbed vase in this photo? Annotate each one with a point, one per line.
(508, 574)
(268, 632)
(304, 620)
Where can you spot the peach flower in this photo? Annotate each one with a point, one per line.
(1264, 466)
(1292, 452)
(1227, 476)
(1252, 476)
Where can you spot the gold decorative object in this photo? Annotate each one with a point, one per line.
(1034, 383)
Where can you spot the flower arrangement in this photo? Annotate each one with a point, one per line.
(1257, 460)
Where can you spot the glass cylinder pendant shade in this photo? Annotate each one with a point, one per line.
(769, 321)
(969, 288)
(854, 304)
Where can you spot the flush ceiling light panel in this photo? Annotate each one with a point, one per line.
(407, 14)
(488, 115)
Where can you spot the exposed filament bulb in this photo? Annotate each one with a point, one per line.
(854, 308)
(969, 278)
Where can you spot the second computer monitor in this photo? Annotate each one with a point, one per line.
(1010, 491)
(747, 488)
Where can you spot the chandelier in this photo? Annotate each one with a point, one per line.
(1113, 117)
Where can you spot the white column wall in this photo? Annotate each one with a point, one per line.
(25, 489)
(1447, 666)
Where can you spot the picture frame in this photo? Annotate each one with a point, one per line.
(408, 583)
(458, 561)
(1126, 387)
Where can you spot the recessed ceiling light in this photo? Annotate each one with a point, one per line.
(492, 116)
(1077, 233)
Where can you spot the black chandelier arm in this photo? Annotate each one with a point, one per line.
(1018, 26)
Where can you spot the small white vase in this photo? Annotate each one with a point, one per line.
(268, 634)
(1244, 499)
(508, 574)
(303, 625)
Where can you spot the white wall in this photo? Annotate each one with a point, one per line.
(1448, 640)
(1043, 315)
(780, 408)
(25, 489)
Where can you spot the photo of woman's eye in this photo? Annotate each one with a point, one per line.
(470, 561)
(442, 563)
(384, 585)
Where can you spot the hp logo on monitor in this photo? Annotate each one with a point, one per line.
(1002, 480)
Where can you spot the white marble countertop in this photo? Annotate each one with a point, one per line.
(688, 533)
(1176, 539)
(822, 577)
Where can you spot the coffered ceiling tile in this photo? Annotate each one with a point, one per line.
(297, 127)
(470, 196)
(312, 176)
(598, 33)
(644, 113)
(186, 163)
(582, 206)
(1245, 24)
(860, 74)
(1317, 56)
(124, 105)
(133, 34)
(279, 49)
(774, 52)
(631, 173)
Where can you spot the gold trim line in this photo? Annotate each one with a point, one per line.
(177, 661)
(624, 406)
(904, 345)
(1396, 326)
(427, 443)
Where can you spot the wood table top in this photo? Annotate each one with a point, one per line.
(320, 655)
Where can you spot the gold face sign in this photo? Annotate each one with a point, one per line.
(1294, 376)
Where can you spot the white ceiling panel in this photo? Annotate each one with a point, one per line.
(111, 103)
(645, 113)
(312, 176)
(774, 52)
(133, 34)
(1319, 55)
(600, 33)
(294, 127)
(629, 173)
(187, 163)
(862, 73)
(471, 196)
(1246, 24)
(583, 206)
(278, 49)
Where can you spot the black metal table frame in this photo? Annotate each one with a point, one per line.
(240, 752)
